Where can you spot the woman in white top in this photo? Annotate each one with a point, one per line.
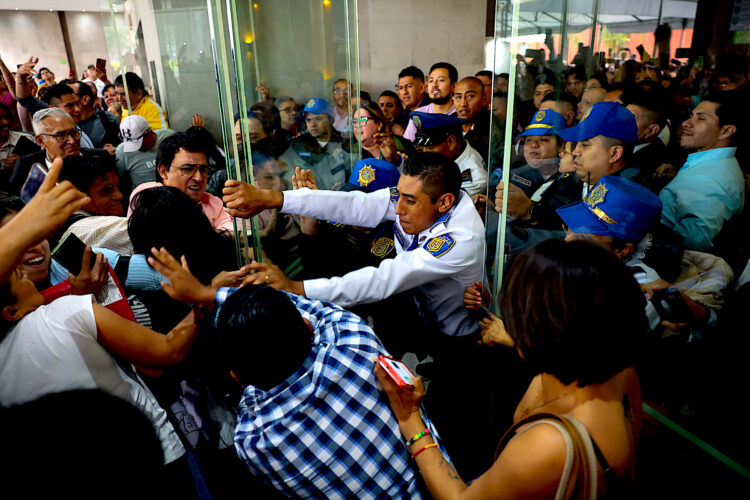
(73, 343)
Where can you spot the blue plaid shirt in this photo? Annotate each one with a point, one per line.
(327, 431)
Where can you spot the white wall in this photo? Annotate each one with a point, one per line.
(38, 33)
(393, 35)
(87, 40)
(27, 33)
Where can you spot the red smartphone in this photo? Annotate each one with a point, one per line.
(400, 373)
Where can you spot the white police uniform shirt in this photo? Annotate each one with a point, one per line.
(440, 262)
(474, 176)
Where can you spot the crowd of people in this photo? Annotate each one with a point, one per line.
(623, 206)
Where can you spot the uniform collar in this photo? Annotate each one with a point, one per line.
(711, 154)
(446, 216)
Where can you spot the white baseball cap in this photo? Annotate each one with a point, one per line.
(132, 129)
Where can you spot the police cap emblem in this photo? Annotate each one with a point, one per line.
(366, 175)
(597, 195)
(540, 116)
(417, 122)
(394, 195)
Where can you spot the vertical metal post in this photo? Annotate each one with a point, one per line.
(593, 37)
(563, 38)
(658, 23)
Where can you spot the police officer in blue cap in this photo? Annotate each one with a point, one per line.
(618, 214)
(605, 137)
(320, 149)
(444, 134)
(604, 140)
(541, 150)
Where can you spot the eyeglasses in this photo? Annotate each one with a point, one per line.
(189, 169)
(364, 119)
(61, 137)
(340, 91)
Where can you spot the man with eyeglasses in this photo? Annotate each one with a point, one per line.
(340, 109)
(182, 163)
(56, 132)
(485, 76)
(288, 113)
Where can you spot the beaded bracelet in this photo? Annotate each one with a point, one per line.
(433, 445)
(418, 436)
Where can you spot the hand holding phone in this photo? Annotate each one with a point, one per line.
(70, 254)
(671, 306)
(33, 182)
(93, 276)
(399, 373)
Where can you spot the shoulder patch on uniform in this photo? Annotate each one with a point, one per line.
(394, 195)
(439, 245)
(518, 178)
(382, 246)
(335, 224)
(466, 176)
(399, 236)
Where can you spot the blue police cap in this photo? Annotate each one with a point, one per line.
(545, 122)
(610, 119)
(433, 128)
(318, 107)
(615, 207)
(371, 174)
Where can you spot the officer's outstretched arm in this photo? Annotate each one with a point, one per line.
(353, 208)
(438, 258)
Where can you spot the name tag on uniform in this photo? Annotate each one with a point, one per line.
(336, 170)
(399, 236)
(521, 180)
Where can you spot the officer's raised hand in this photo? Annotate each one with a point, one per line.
(245, 200)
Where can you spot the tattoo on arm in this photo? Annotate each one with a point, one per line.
(626, 406)
(452, 474)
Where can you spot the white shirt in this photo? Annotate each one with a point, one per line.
(440, 262)
(473, 171)
(99, 86)
(55, 349)
(644, 276)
